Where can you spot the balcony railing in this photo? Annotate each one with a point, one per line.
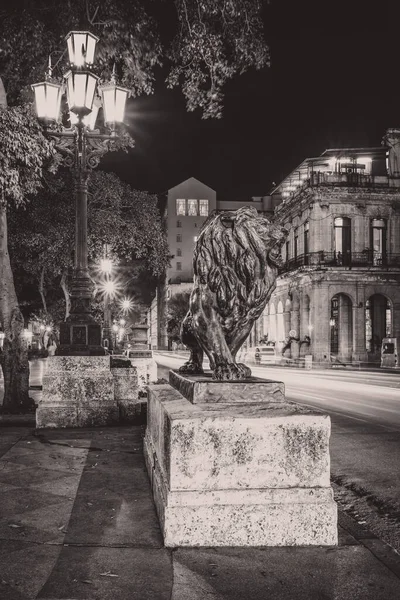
(336, 259)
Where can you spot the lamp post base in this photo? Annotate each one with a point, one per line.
(80, 335)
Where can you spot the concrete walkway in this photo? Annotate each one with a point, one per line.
(77, 521)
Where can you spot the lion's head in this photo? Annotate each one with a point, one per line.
(237, 255)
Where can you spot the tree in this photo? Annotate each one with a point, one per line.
(127, 220)
(203, 43)
(24, 153)
(178, 306)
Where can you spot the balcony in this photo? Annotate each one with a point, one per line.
(336, 259)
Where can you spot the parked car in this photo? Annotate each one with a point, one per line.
(262, 354)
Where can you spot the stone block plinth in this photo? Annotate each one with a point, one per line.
(203, 388)
(126, 393)
(78, 391)
(145, 365)
(239, 474)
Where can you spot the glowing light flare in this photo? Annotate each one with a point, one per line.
(114, 100)
(81, 47)
(81, 87)
(27, 334)
(126, 304)
(106, 265)
(48, 99)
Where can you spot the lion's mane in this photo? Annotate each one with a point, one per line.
(234, 263)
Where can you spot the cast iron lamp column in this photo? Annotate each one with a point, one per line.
(82, 150)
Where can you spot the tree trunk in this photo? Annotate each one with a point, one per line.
(14, 360)
(64, 287)
(162, 301)
(41, 289)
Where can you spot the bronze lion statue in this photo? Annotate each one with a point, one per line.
(235, 264)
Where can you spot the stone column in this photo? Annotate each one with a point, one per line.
(396, 319)
(295, 325)
(345, 338)
(359, 340)
(320, 309)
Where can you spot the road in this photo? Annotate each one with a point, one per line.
(365, 442)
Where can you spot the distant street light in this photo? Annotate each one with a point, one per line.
(106, 265)
(82, 148)
(126, 304)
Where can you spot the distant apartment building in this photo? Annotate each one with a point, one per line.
(338, 293)
(188, 205)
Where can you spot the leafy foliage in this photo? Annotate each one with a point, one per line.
(24, 153)
(41, 235)
(217, 40)
(205, 43)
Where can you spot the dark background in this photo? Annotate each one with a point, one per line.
(332, 83)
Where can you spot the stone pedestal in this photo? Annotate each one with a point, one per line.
(237, 472)
(78, 391)
(126, 393)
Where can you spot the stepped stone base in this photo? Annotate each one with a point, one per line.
(146, 366)
(126, 393)
(78, 391)
(239, 474)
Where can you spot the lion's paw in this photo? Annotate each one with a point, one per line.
(232, 372)
(191, 368)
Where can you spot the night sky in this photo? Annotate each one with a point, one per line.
(333, 82)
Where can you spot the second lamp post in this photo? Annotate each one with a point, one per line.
(82, 149)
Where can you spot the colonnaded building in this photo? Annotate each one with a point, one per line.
(338, 293)
(340, 284)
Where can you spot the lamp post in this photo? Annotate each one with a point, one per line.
(82, 148)
(109, 288)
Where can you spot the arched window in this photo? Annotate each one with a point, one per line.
(342, 240)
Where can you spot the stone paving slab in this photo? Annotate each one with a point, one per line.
(69, 543)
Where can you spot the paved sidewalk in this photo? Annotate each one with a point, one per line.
(77, 521)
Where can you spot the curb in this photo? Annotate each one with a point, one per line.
(380, 549)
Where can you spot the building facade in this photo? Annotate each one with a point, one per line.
(338, 293)
(188, 206)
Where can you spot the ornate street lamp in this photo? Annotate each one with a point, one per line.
(82, 146)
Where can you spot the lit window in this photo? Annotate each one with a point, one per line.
(181, 206)
(179, 237)
(343, 240)
(179, 223)
(179, 266)
(192, 208)
(179, 252)
(378, 240)
(204, 208)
